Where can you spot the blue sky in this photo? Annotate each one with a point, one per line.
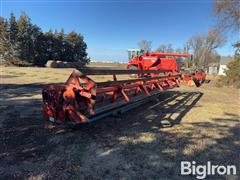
(112, 27)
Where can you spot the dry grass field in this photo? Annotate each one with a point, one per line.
(149, 142)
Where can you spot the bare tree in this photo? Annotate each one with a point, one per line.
(203, 46)
(196, 44)
(165, 48)
(237, 49)
(186, 48)
(161, 48)
(228, 13)
(214, 57)
(145, 45)
(179, 50)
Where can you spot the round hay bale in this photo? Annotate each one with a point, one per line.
(60, 64)
(78, 64)
(73, 64)
(51, 64)
(48, 64)
(66, 64)
(70, 65)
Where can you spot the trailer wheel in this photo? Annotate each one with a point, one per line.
(133, 68)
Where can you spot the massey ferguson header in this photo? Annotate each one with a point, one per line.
(82, 100)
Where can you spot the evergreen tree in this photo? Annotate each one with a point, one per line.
(4, 39)
(13, 32)
(49, 42)
(62, 45)
(24, 37)
(39, 47)
(77, 48)
(23, 43)
(57, 46)
(13, 29)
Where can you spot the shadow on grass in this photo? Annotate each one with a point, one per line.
(147, 142)
(9, 91)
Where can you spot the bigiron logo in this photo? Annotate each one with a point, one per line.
(202, 171)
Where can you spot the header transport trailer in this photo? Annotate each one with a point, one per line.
(82, 100)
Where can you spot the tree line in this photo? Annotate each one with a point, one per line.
(202, 46)
(23, 43)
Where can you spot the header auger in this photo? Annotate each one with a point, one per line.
(82, 100)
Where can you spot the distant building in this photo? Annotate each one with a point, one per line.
(213, 68)
(219, 68)
(223, 64)
(222, 69)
